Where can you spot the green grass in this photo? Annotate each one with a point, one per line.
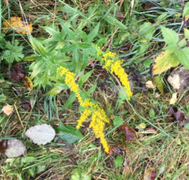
(165, 150)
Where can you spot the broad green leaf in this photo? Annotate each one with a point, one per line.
(118, 161)
(113, 21)
(117, 121)
(57, 89)
(68, 133)
(182, 43)
(52, 32)
(165, 61)
(38, 46)
(69, 101)
(146, 30)
(93, 33)
(186, 33)
(152, 113)
(171, 47)
(169, 35)
(186, 9)
(183, 57)
(186, 126)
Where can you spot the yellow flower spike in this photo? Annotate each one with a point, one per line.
(98, 115)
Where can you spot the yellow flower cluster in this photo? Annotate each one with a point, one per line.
(98, 115)
(113, 65)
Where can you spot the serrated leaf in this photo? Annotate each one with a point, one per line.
(183, 57)
(41, 134)
(186, 9)
(14, 148)
(169, 35)
(68, 133)
(165, 61)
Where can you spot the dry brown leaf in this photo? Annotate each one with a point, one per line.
(8, 109)
(129, 132)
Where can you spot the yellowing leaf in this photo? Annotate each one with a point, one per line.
(28, 83)
(173, 99)
(7, 109)
(18, 25)
(165, 61)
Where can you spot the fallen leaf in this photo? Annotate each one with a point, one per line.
(179, 80)
(8, 109)
(12, 148)
(150, 174)
(28, 83)
(179, 116)
(165, 61)
(141, 126)
(16, 23)
(129, 132)
(115, 150)
(16, 73)
(173, 99)
(150, 85)
(149, 5)
(41, 134)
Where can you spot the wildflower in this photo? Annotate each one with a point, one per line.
(98, 115)
(113, 65)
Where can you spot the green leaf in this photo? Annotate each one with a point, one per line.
(69, 101)
(83, 45)
(183, 57)
(146, 30)
(172, 47)
(57, 89)
(92, 89)
(186, 126)
(186, 9)
(69, 48)
(182, 43)
(93, 33)
(36, 67)
(113, 21)
(118, 161)
(31, 58)
(38, 47)
(170, 36)
(186, 33)
(52, 32)
(117, 121)
(152, 113)
(85, 57)
(68, 133)
(83, 78)
(157, 81)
